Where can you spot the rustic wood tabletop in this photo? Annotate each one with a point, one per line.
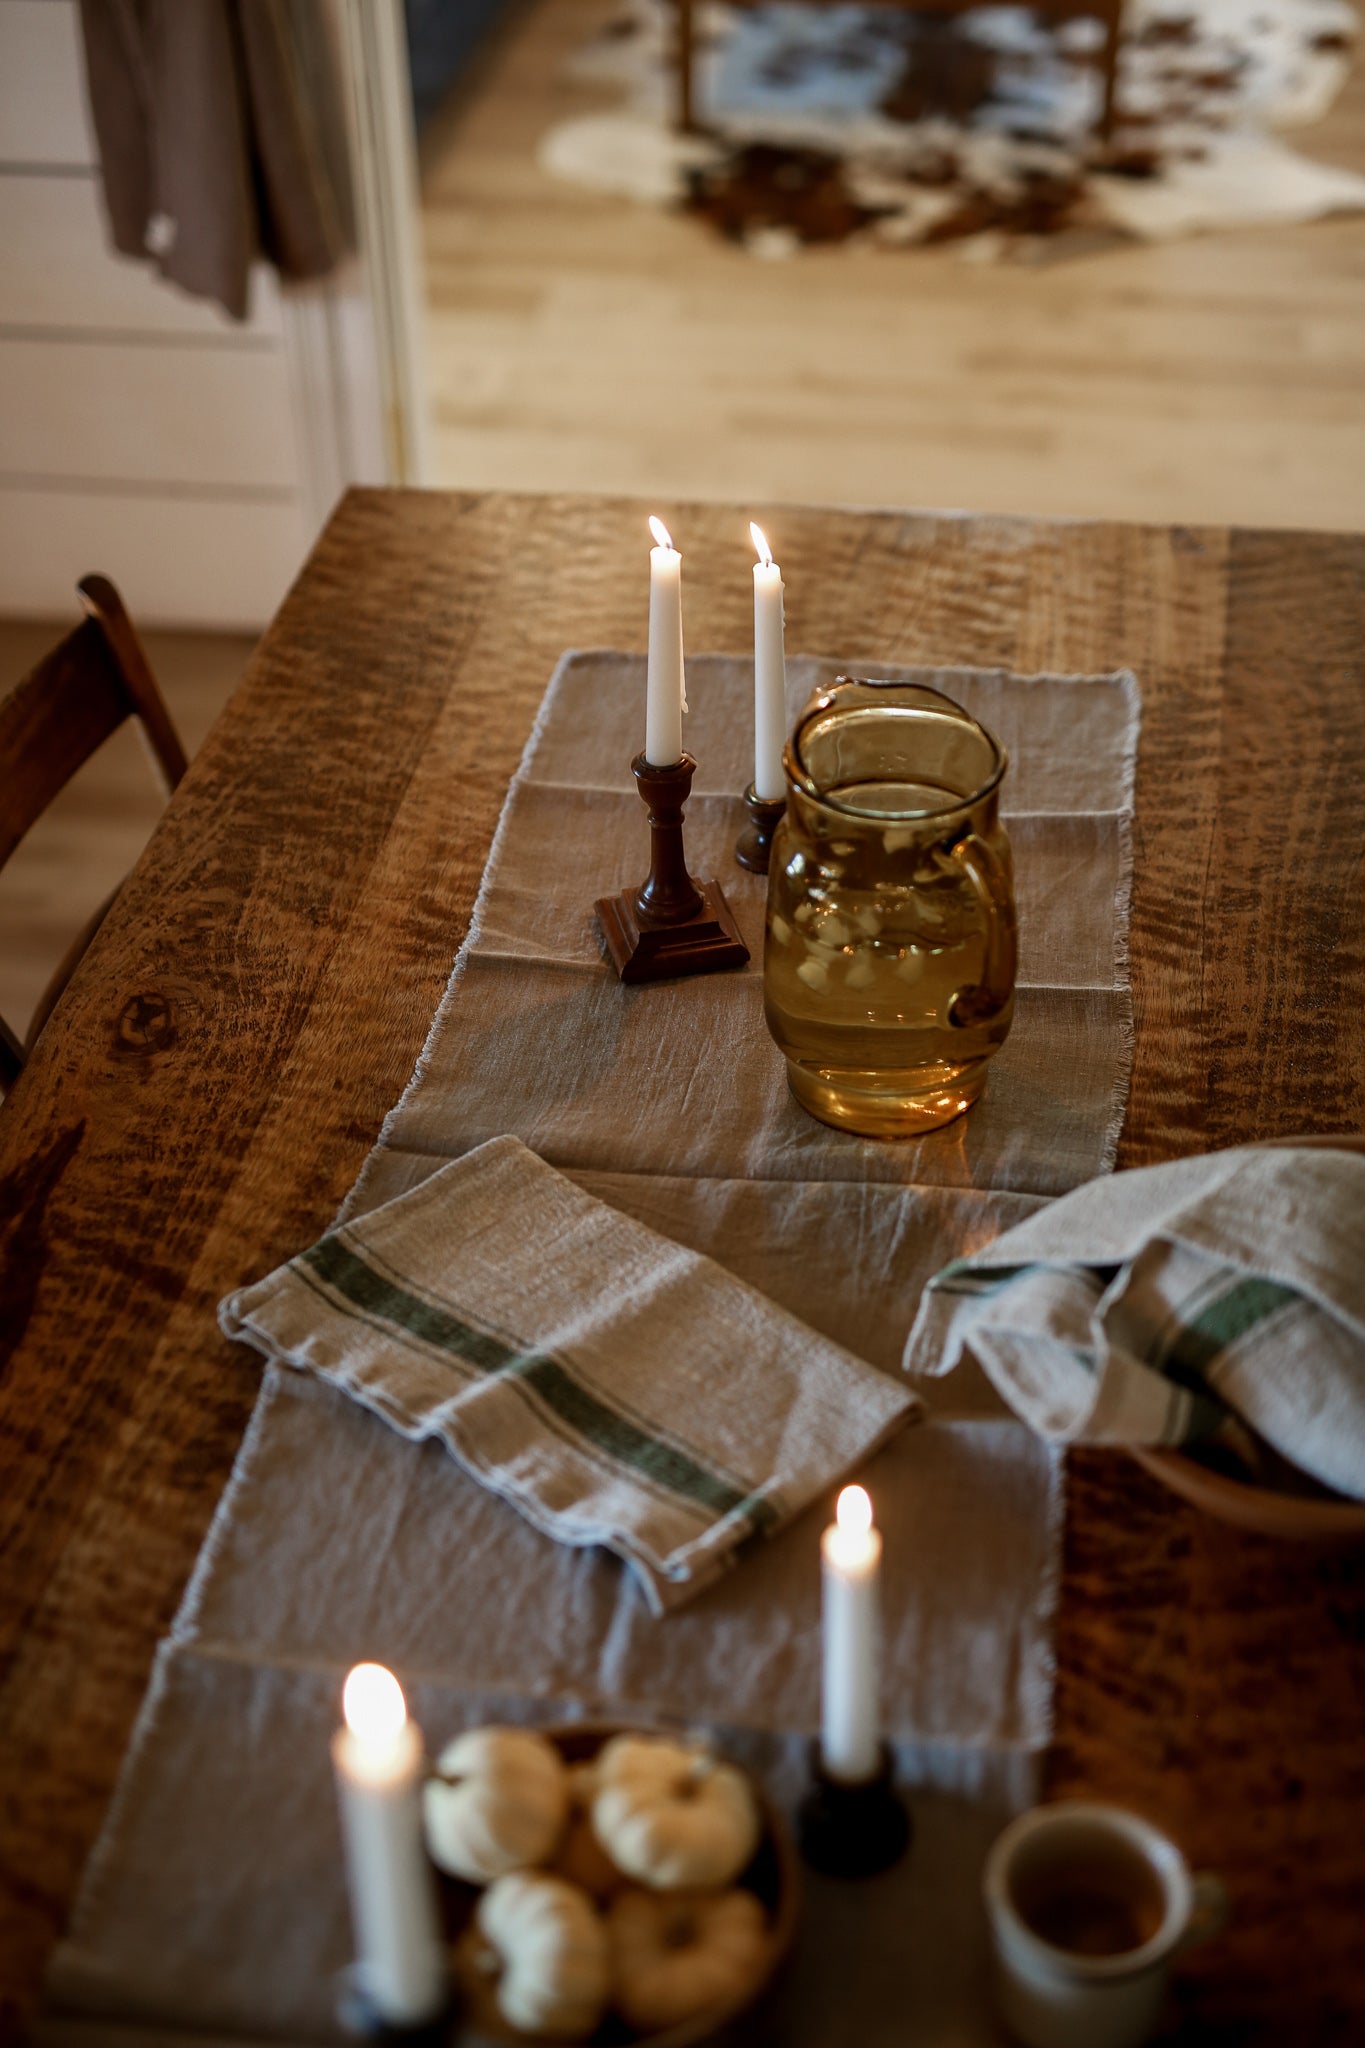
(254, 1003)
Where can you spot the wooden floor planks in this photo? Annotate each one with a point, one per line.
(580, 342)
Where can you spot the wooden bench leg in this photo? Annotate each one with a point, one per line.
(1113, 42)
(687, 60)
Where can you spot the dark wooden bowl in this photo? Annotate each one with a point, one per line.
(1281, 1502)
(1306, 1517)
(773, 1875)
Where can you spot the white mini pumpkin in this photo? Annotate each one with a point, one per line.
(554, 1953)
(673, 1817)
(678, 1954)
(498, 1802)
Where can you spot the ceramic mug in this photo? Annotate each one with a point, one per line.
(1088, 1905)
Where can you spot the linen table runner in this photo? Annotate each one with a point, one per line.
(337, 1539)
(680, 1079)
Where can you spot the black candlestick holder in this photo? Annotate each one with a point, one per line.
(852, 1830)
(358, 2017)
(755, 842)
(672, 924)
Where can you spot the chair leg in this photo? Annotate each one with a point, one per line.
(104, 605)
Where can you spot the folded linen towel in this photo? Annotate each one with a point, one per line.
(615, 1387)
(1144, 1307)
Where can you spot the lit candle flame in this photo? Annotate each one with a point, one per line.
(373, 1704)
(660, 532)
(854, 1511)
(765, 553)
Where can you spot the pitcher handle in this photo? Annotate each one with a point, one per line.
(983, 869)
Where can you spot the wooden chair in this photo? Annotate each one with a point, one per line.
(1108, 12)
(50, 725)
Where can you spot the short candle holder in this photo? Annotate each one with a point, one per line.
(671, 924)
(357, 2016)
(852, 1830)
(755, 843)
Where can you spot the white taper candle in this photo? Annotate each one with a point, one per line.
(770, 673)
(851, 1550)
(379, 1763)
(665, 688)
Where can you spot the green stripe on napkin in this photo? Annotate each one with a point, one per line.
(1195, 1300)
(604, 1428)
(961, 1276)
(1249, 1300)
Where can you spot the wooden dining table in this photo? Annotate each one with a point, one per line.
(218, 1068)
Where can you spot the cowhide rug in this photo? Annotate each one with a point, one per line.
(830, 123)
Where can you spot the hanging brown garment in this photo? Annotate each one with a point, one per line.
(210, 141)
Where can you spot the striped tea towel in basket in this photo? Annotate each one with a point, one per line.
(1145, 1307)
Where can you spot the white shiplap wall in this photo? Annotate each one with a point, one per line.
(142, 433)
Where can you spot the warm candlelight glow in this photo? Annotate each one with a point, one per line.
(765, 553)
(373, 1704)
(378, 1758)
(849, 1726)
(660, 532)
(854, 1511)
(853, 1545)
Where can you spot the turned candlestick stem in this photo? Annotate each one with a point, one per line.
(671, 925)
(668, 895)
(754, 846)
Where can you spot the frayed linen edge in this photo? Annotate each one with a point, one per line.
(1039, 1689)
(96, 1875)
(1123, 913)
(472, 936)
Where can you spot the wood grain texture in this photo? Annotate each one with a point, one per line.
(222, 1059)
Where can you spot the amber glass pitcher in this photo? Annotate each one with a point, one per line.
(889, 960)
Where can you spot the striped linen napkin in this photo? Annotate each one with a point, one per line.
(616, 1388)
(1161, 1305)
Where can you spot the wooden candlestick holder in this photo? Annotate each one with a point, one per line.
(671, 924)
(852, 1830)
(755, 843)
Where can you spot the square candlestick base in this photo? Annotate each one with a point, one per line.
(357, 2017)
(646, 950)
(852, 1830)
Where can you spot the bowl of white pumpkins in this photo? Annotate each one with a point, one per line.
(606, 1885)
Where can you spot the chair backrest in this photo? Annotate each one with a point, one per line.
(62, 711)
